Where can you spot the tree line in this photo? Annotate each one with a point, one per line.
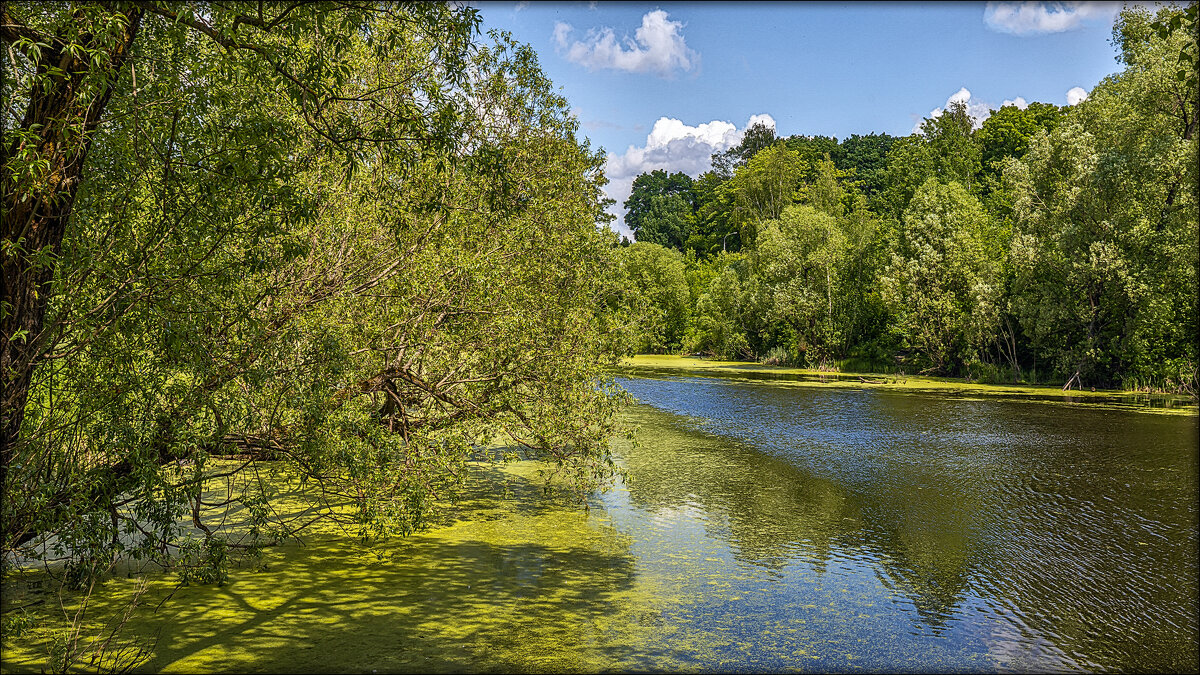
(1045, 244)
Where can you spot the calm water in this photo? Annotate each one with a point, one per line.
(760, 527)
(916, 532)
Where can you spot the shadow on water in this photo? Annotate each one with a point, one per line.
(511, 581)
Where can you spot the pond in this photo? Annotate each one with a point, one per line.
(759, 527)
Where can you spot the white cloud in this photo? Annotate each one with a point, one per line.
(1075, 95)
(1019, 102)
(671, 146)
(561, 31)
(764, 119)
(658, 47)
(978, 110)
(1039, 18)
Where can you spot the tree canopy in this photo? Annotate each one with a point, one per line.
(660, 208)
(348, 243)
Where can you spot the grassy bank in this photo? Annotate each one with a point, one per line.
(668, 365)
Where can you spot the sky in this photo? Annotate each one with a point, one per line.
(665, 85)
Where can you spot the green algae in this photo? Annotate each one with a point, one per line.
(518, 582)
(654, 365)
(508, 580)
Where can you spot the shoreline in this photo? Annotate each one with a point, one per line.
(668, 365)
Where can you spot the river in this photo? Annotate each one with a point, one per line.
(920, 532)
(760, 526)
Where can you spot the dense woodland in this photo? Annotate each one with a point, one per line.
(1046, 244)
(348, 245)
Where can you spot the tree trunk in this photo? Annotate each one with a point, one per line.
(36, 215)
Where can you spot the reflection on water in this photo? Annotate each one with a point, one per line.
(1008, 535)
(759, 527)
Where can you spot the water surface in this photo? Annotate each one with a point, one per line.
(759, 527)
(930, 532)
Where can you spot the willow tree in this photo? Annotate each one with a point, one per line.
(797, 259)
(940, 283)
(352, 241)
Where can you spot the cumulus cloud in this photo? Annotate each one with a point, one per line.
(1039, 18)
(1018, 102)
(1075, 95)
(671, 146)
(657, 47)
(978, 110)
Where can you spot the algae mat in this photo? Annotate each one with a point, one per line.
(515, 582)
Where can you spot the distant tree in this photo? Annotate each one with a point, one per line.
(862, 315)
(1007, 132)
(655, 296)
(714, 224)
(944, 149)
(757, 138)
(797, 258)
(719, 324)
(909, 165)
(1106, 220)
(955, 155)
(866, 157)
(939, 283)
(764, 186)
(826, 193)
(660, 208)
(811, 150)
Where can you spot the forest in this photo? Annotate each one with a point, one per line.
(1046, 244)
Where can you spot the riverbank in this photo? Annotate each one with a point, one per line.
(669, 365)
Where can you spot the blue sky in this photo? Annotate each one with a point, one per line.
(663, 85)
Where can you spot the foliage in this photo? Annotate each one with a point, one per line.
(811, 150)
(655, 294)
(939, 283)
(660, 207)
(1007, 131)
(1044, 242)
(797, 259)
(349, 243)
(758, 137)
(203, 562)
(1106, 222)
(764, 186)
(865, 158)
(720, 316)
(715, 224)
